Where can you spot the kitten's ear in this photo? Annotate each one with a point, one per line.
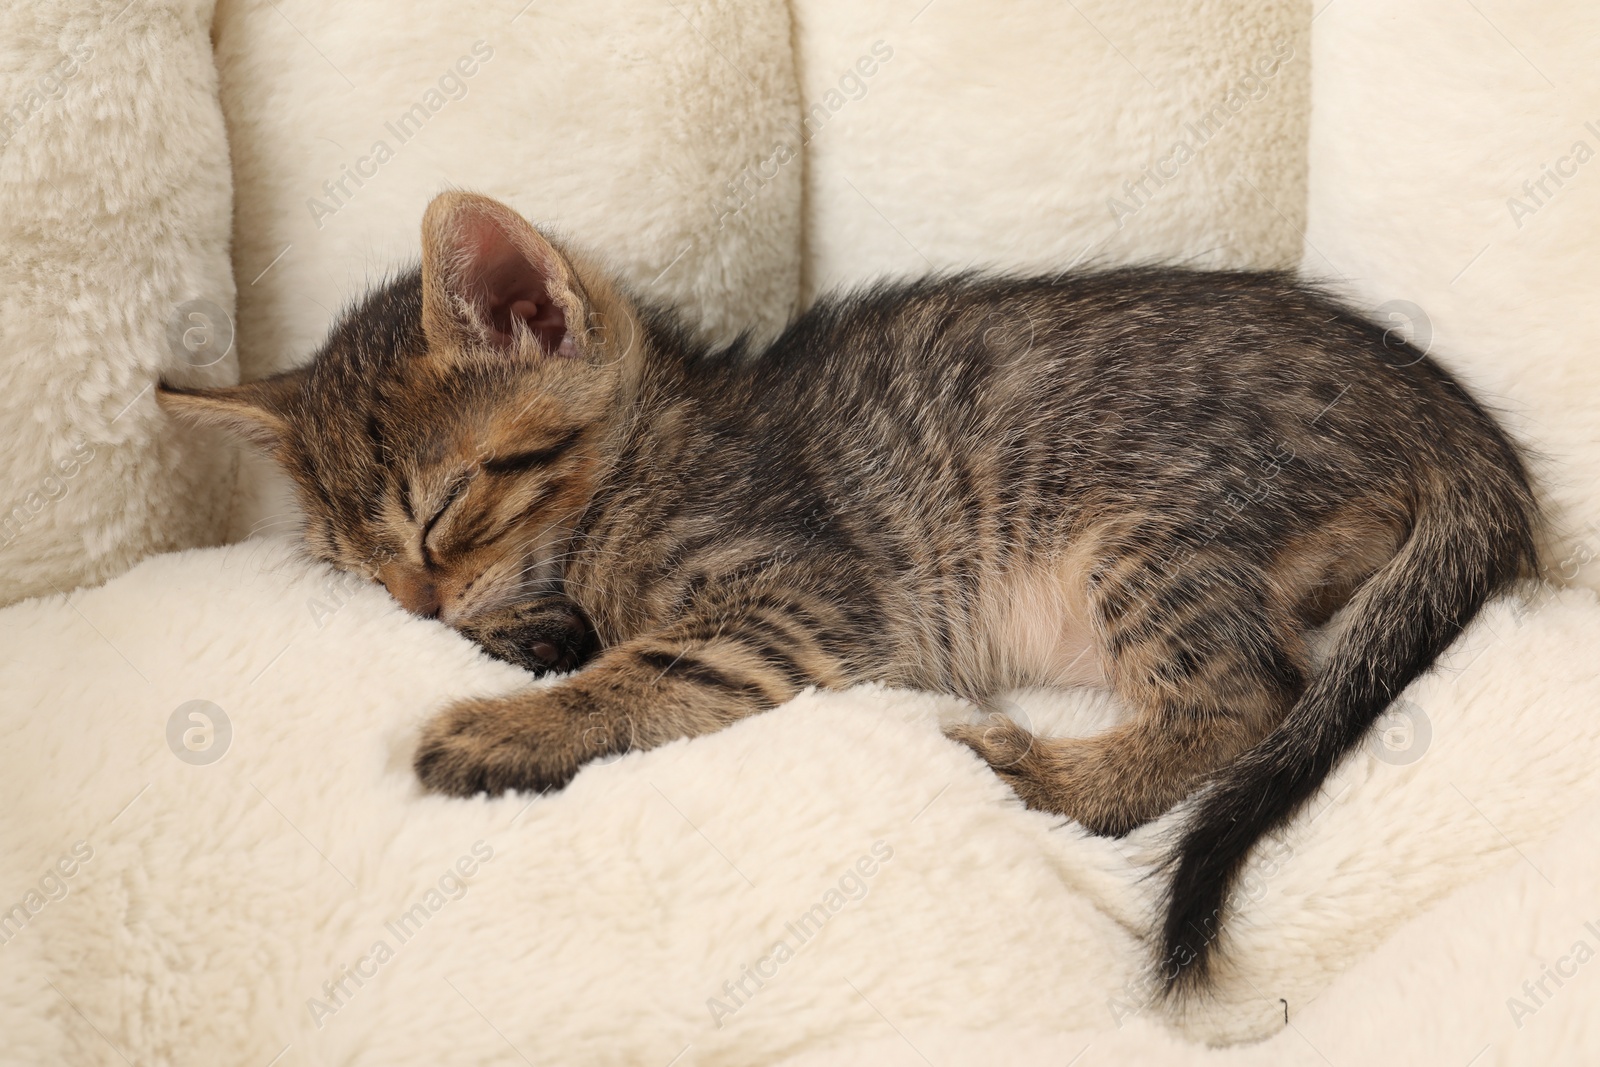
(490, 280)
(257, 411)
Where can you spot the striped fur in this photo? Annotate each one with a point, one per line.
(1155, 480)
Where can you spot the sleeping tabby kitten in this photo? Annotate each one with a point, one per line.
(1152, 480)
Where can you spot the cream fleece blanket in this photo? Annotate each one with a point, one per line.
(214, 850)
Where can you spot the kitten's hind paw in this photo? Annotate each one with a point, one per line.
(1046, 774)
(1018, 757)
(1000, 741)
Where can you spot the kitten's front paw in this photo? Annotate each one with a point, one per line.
(540, 636)
(526, 741)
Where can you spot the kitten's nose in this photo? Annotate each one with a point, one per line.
(416, 593)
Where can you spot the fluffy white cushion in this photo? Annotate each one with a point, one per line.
(607, 918)
(618, 123)
(1429, 120)
(114, 216)
(1502, 972)
(610, 915)
(947, 135)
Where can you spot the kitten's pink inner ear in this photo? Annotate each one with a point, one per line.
(503, 285)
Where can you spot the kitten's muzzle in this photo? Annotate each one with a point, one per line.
(417, 593)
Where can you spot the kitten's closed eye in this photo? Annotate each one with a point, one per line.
(453, 494)
(520, 462)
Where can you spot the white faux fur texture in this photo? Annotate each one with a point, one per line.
(114, 216)
(622, 124)
(1503, 973)
(609, 916)
(616, 921)
(1041, 134)
(1455, 181)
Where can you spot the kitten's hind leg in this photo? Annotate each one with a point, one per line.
(1207, 669)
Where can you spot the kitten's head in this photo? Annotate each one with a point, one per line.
(451, 428)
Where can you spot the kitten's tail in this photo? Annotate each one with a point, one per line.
(1474, 535)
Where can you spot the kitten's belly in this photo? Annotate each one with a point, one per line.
(1038, 622)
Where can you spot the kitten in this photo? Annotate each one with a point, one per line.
(1153, 480)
